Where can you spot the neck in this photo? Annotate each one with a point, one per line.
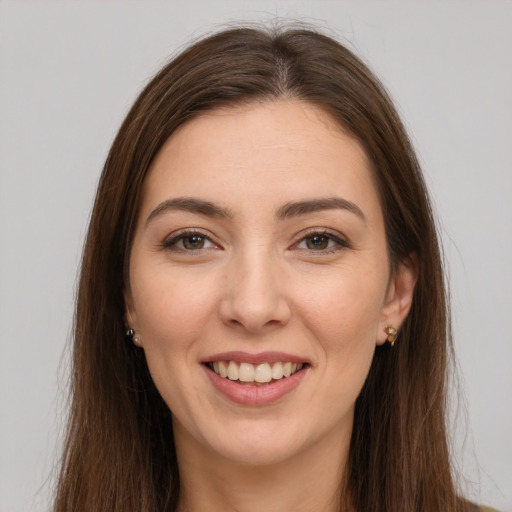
(307, 482)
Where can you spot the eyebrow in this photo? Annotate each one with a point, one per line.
(295, 209)
(292, 209)
(190, 204)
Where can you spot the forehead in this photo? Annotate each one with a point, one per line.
(282, 150)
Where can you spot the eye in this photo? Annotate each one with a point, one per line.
(189, 241)
(322, 242)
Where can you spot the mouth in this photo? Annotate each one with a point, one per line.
(256, 379)
(262, 374)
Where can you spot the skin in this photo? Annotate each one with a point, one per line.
(258, 283)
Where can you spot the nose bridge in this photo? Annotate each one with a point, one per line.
(255, 297)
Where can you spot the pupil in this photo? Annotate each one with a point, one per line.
(193, 242)
(318, 242)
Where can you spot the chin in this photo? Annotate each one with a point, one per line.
(257, 443)
(257, 454)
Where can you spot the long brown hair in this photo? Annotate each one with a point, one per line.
(119, 452)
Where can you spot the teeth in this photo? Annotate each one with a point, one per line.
(261, 373)
(223, 371)
(232, 371)
(246, 372)
(277, 371)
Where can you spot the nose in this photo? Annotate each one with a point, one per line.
(254, 298)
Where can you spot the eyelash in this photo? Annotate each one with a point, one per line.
(170, 244)
(341, 243)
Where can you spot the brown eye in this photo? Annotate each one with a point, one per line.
(189, 242)
(317, 242)
(322, 242)
(193, 242)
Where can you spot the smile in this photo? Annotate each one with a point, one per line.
(255, 374)
(256, 379)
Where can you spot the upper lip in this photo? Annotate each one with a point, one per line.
(261, 357)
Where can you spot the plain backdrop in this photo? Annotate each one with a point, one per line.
(69, 71)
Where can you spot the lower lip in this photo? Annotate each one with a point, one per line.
(255, 395)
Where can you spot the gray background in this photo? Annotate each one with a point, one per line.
(70, 70)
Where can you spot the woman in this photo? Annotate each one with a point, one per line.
(261, 319)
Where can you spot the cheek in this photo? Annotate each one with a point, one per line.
(171, 308)
(344, 324)
(345, 311)
(343, 317)
(173, 314)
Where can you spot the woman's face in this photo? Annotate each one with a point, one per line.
(260, 252)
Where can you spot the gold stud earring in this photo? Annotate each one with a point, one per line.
(392, 334)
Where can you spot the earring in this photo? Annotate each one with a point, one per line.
(392, 334)
(133, 337)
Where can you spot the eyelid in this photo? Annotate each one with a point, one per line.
(174, 237)
(341, 240)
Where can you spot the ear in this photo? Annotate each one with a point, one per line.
(399, 296)
(130, 316)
